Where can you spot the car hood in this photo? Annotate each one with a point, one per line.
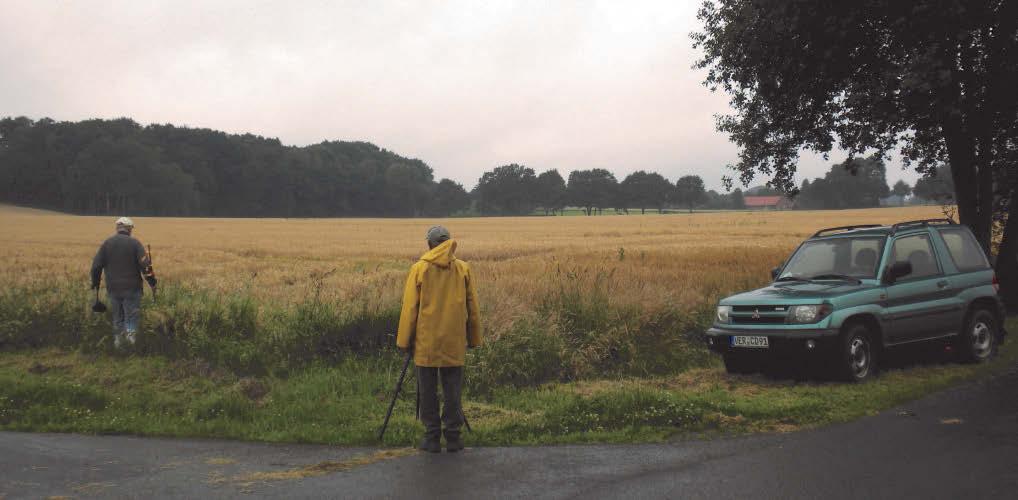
(797, 293)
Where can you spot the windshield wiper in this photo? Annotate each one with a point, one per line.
(790, 278)
(836, 277)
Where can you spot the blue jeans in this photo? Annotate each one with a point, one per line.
(126, 307)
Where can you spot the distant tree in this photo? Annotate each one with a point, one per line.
(448, 198)
(901, 189)
(507, 190)
(644, 190)
(407, 189)
(738, 201)
(856, 183)
(551, 191)
(937, 186)
(690, 192)
(591, 189)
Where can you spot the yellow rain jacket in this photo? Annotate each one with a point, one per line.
(440, 312)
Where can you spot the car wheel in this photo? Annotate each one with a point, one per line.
(856, 361)
(739, 363)
(978, 342)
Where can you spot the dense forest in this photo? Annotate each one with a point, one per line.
(119, 166)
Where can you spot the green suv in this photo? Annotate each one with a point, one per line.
(849, 293)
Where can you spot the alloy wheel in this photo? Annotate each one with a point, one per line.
(982, 341)
(859, 357)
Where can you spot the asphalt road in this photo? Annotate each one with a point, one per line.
(962, 443)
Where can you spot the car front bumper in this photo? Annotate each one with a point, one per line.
(719, 339)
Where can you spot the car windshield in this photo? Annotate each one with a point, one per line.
(835, 258)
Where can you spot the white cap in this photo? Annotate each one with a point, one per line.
(125, 221)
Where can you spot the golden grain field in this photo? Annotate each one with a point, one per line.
(650, 260)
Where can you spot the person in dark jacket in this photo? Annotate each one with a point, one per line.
(125, 261)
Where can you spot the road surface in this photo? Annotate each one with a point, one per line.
(961, 443)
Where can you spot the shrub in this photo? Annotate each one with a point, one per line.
(527, 355)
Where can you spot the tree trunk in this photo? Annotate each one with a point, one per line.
(1007, 258)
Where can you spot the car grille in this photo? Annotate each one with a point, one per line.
(759, 315)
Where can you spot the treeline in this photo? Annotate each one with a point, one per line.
(118, 166)
(862, 183)
(121, 167)
(519, 190)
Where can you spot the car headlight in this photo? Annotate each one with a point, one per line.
(809, 314)
(724, 314)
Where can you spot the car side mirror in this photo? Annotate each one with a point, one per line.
(897, 270)
(774, 272)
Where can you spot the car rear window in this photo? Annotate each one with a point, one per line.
(965, 251)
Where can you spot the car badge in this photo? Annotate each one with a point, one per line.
(756, 314)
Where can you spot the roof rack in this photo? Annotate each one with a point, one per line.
(844, 228)
(922, 223)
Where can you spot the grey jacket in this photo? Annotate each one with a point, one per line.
(123, 258)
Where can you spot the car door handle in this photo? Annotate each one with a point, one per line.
(942, 284)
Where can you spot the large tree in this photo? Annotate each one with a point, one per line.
(642, 189)
(936, 187)
(592, 189)
(689, 191)
(551, 191)
(507, 190)
(901, 189)
(857, 183)
(448, 198)
(935, 78)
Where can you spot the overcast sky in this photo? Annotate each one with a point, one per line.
(464, 86)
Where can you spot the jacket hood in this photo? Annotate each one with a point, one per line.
(443, 255)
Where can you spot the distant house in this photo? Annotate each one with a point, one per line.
(768, 203)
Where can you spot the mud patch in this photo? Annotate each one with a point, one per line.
(320, 469)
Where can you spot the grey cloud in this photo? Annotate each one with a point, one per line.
(465, 86)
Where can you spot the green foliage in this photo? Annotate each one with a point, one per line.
(592, 189)
(858, 183)
(343, 403)
(689, 191)
(645, 190)
(937, 186)
(507, 190)
(118, 166)
(551, 191)
(580, 332)
(527, 355)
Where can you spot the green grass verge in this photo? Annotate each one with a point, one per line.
(344, 403)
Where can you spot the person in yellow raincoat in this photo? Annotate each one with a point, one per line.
(439, 320)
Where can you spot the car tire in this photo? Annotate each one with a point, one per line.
(978, 341)
(855, 359)
(739, 363)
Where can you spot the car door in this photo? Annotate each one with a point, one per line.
(917, 305)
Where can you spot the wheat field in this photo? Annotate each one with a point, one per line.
(680, 261)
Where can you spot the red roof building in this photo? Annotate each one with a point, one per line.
(768, 203)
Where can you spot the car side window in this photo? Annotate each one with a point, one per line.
(965, 252)
(918, 251)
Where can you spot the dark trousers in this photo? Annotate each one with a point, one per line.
(452, 410)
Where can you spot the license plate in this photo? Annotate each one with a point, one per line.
(750, 341)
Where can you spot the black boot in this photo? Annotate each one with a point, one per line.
(453, 442)
(431, 444)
